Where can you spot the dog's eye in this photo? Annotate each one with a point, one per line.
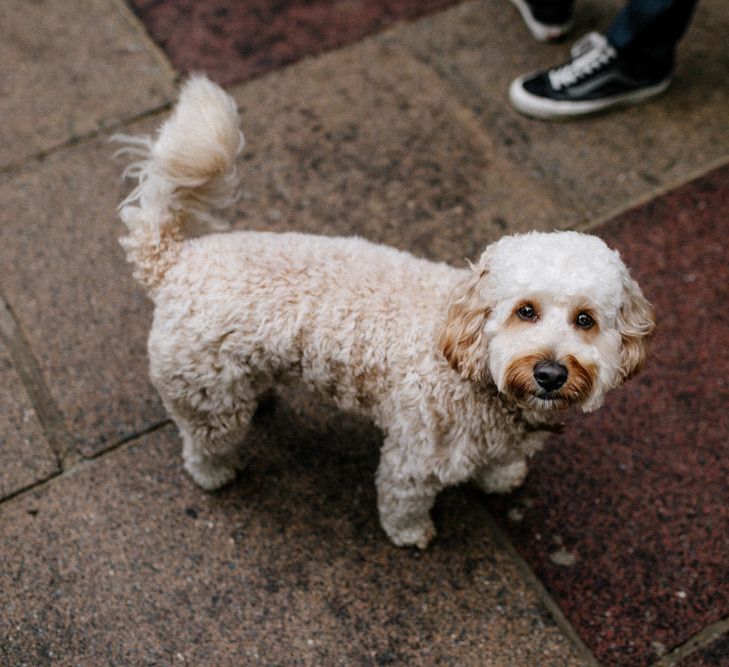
(527, 312)
(584, 321)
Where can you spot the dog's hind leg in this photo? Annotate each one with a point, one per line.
(211, 447)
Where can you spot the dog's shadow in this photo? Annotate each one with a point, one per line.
(310, 477)
(310, 467)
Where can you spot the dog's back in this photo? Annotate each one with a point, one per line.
(345, 316)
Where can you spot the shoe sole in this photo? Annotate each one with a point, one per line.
(545, 109)
(542, 32)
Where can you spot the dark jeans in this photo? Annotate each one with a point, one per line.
(646, 32)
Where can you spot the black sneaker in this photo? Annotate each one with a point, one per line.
(547, 20)
(594, 80)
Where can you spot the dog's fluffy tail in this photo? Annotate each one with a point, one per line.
(182, 175)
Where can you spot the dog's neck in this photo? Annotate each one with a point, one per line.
(529, 420)
(546, 426)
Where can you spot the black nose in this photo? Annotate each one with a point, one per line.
(550, 375)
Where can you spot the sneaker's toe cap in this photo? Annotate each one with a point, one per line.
(523, 90)
(537, 84)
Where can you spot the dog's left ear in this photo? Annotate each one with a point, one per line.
(637, 324)
(462, 339)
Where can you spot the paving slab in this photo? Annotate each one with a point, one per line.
(234, 40)
(626, 517)
(365, 141)
(25, 455)
(68, 284)
(595, 165)
(369, 141)
(123, 561)
(71, 67)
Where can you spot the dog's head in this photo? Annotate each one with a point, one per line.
(554, 319)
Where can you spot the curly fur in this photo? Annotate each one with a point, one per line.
(425, 350)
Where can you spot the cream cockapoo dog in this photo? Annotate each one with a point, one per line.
(462, 369)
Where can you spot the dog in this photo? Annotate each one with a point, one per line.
(463, 369)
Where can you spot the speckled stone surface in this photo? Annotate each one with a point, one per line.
(598, 164)
(368, 141)
(233, 40)
(66, 279)
(69, 68)
(25, 456)
(636, 493)
(124, 562)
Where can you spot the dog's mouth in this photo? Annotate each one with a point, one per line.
(549, 396)
(549, 400)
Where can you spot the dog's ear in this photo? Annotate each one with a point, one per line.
(462, 339)
(637, 324)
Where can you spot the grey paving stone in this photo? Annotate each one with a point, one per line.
(594, 165)
(124, 561)
(368, 141)
(25, 455)
(66, 279)
(70, 67)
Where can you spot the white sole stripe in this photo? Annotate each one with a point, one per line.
(545, 109)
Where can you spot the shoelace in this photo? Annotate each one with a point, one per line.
(589, 41)
(596, 53)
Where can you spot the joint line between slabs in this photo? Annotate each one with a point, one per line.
(11, 169)
(699, 641)
(26, 366)
(660, 191)
(81, 461)
(140, 27)
(567, 629)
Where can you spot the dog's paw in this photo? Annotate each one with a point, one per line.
(211, 476)
(417, 535)
(503, 479)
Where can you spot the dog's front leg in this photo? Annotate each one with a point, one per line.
(404, 502)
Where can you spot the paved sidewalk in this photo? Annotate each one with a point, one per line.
(616, 552)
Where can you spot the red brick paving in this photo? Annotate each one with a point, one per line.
(638, 491)
(234, 40)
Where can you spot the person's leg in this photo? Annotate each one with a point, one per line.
(546, 20)
(645, 33)
(631, 64)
